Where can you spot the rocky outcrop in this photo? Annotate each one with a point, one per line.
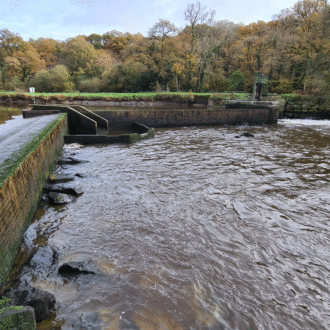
(18, 318)
(26, 295)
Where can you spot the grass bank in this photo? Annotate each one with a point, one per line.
(152, 96)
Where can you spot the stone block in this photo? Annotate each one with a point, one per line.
(17, 318)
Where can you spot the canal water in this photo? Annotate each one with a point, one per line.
(197, 229)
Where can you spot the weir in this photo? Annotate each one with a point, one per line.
(84, 121)
(29, 151)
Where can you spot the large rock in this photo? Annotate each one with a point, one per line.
(60, 178)
(70, 161)
(74, 268)
(71, 189)
(42, 262)
(17, 318)
(58, 198)
(43, 302)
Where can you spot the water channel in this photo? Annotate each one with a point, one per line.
(197, 229)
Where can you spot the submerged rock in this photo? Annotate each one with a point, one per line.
(81, 175)
(245, 134)
(85, 321)
(43, 302)
(58, 198)
(71, 161)
(74, 268)
(70, 189)
(42, 261)
(60, 178)
(89, 321)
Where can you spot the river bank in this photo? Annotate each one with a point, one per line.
(163, 99)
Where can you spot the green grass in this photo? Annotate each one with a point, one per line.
(181, 97)
(125, 96)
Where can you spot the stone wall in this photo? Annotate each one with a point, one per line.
(20, 190)
(189, 117)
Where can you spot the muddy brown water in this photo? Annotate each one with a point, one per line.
(196, 229)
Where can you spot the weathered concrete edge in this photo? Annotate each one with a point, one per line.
(25, 151)
(7, 257)
(101, 122)
(105, 139)
(76, 119)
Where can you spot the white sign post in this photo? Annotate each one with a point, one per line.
(32, 90)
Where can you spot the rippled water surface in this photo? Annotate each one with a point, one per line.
(196, 229)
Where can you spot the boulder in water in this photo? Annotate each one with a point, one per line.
(71, 161)
(245, 134)
(43, 302)
(74, 268)
(71, 189)
(60, 178)
(58, 198)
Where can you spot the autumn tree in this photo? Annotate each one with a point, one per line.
(9, 44)
(48, 50)
(79, 54)
(197, 16)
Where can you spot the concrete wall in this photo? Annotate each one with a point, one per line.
(101, 122)
(21, 189)
(142, 132)
(189, 117)
(78, 122)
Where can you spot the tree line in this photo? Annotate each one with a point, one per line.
(293, 50)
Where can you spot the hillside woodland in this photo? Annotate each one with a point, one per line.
(293, 50)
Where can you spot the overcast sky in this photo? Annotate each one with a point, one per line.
(62, 19)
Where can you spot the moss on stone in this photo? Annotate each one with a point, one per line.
(18, 318)
(8, 167)
(8, 253)
(4, 301)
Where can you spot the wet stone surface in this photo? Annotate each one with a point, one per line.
(67, 188)
(56, 198)
(41, 301)
(71, 161)
(60, 178)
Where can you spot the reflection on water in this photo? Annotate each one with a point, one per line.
(195, 229)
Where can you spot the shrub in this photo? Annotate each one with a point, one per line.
(216, 81)
(41, 81)
(60, 79)
(127, 77)
(93, 85)
(284, 86)
(237, 80)
(313, 101)
(57, 80)
(15, 84)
